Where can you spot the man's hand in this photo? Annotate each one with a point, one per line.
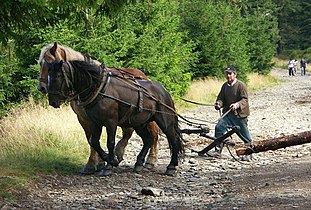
(217, 106)
(234, 106)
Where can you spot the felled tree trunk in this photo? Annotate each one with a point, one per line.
(274, 143)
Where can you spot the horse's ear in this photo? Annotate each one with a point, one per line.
(63, 54)
(53, 49)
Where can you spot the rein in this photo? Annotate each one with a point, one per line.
(197, 103)
(68, 82)
(139, 87)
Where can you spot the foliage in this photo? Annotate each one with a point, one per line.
(259, 15)
(171, 41)
(160, 49)
(202, 22)
(294, 25)
(219, 31)
(224, 35)
(234, 40)
(9, 92)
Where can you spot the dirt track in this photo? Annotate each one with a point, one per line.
(272, 180)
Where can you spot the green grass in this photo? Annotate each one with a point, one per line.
(11, 186)
(258, 82)
(38, 141)
(280, 63)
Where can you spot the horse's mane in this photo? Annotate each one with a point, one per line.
(84, 68)
(71, 54)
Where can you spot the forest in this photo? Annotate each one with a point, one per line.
(173, 42)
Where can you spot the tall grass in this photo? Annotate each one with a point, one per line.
(258, 82)
(37, 140)
(203, 91)
(280, 63)
(206, 90)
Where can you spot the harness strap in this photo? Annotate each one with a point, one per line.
(68, 82)
(127, 74)
(128, 113)
(103, 86)
(140, 99)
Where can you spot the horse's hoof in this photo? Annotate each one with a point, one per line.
(87, 170)
(149, 165)
(119, 159)
(138, 169)
(170, 171)
(114, 162)
(105, 172)
(100, 166)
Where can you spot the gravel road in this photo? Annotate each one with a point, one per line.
(272, 180)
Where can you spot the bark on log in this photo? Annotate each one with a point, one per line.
(274, 143)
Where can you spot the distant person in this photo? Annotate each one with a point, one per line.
(303, 66)
(295, 66)
(233, 95)
(291, 67)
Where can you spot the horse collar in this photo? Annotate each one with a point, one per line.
(102, 88)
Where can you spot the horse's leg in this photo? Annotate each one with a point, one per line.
(169, 126)
(147, 138)
(120, 147)
(96, 131)
(112, 159)
(152, 157)
(94, 163)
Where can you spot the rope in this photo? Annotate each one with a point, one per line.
(188, 122)
(197, 103)
(137, 86)
(236, 159)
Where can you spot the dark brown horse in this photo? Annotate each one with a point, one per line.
(111, 101)
(57, 52)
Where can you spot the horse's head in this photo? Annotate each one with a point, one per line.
(56, 52)
(59, 86)
(49, 53)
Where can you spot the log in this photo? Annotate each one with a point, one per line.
(273, 143)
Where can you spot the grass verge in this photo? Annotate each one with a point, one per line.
(36, 140)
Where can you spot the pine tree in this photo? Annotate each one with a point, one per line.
(263, 34)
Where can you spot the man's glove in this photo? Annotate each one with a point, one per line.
(234, 106)
(217, 106)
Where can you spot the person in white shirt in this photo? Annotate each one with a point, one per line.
(291, 67)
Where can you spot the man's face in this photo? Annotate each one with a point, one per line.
(230, 76)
